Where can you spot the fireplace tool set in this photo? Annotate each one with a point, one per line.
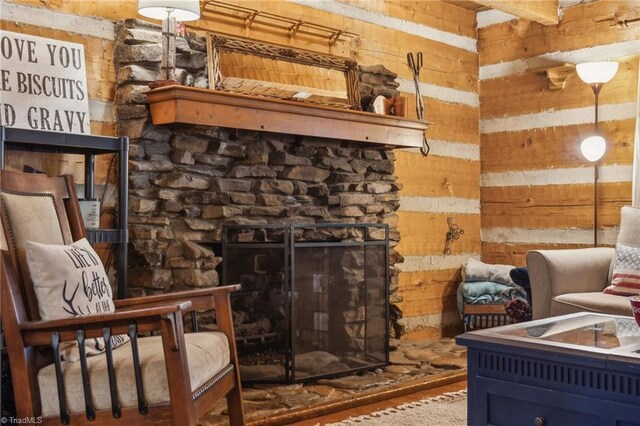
(415, 63)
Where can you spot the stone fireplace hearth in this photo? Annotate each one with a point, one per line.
(186, 182)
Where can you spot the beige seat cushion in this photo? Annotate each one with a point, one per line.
(207, 352)
(592, 301)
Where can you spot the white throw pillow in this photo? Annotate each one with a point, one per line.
(629, 234)
(71, 281)
(625, 280)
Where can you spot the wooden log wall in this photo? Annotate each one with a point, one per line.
(446, 184)
(536, 188)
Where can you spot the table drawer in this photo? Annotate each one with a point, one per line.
(509, 411)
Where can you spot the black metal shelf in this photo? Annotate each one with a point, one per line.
(113, 236)
(89, 146)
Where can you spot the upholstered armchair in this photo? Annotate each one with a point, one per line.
(170, 377)
(568, 281)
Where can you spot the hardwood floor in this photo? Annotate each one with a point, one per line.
(381, 405)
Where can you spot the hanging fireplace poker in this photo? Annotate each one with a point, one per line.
(415, 63)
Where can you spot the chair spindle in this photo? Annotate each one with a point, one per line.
(86, 385)
(115, 404)
(194, 322)
(133, 335)
(62, 400)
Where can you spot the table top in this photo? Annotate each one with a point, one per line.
(584, 332)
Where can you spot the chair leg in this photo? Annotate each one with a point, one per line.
(175, 356)
(234, 404)
(225, 324)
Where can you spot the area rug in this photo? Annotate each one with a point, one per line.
(448, 409)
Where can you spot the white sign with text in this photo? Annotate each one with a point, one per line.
(43, 84)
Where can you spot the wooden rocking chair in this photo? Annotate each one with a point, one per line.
(173, 378)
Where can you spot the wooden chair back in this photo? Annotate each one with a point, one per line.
(26, 202)
(35, 207)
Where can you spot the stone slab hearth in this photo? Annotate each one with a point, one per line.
(412, 364)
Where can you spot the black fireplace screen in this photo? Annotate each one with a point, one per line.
(314, 298)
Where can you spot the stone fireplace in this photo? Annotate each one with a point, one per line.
(187, 182)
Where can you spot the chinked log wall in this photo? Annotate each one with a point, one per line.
(537, 189)
(445, 184)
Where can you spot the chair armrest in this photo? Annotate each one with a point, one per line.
(200, 299)
(556, 272)
(37, 333)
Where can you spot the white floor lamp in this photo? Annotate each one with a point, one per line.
(593, 147)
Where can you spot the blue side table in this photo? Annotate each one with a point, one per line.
(579, 369)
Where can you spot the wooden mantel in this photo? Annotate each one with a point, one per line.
(189, 105)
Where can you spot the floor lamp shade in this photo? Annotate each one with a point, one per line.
(182, 10)
(593, 148)
(597, 72)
